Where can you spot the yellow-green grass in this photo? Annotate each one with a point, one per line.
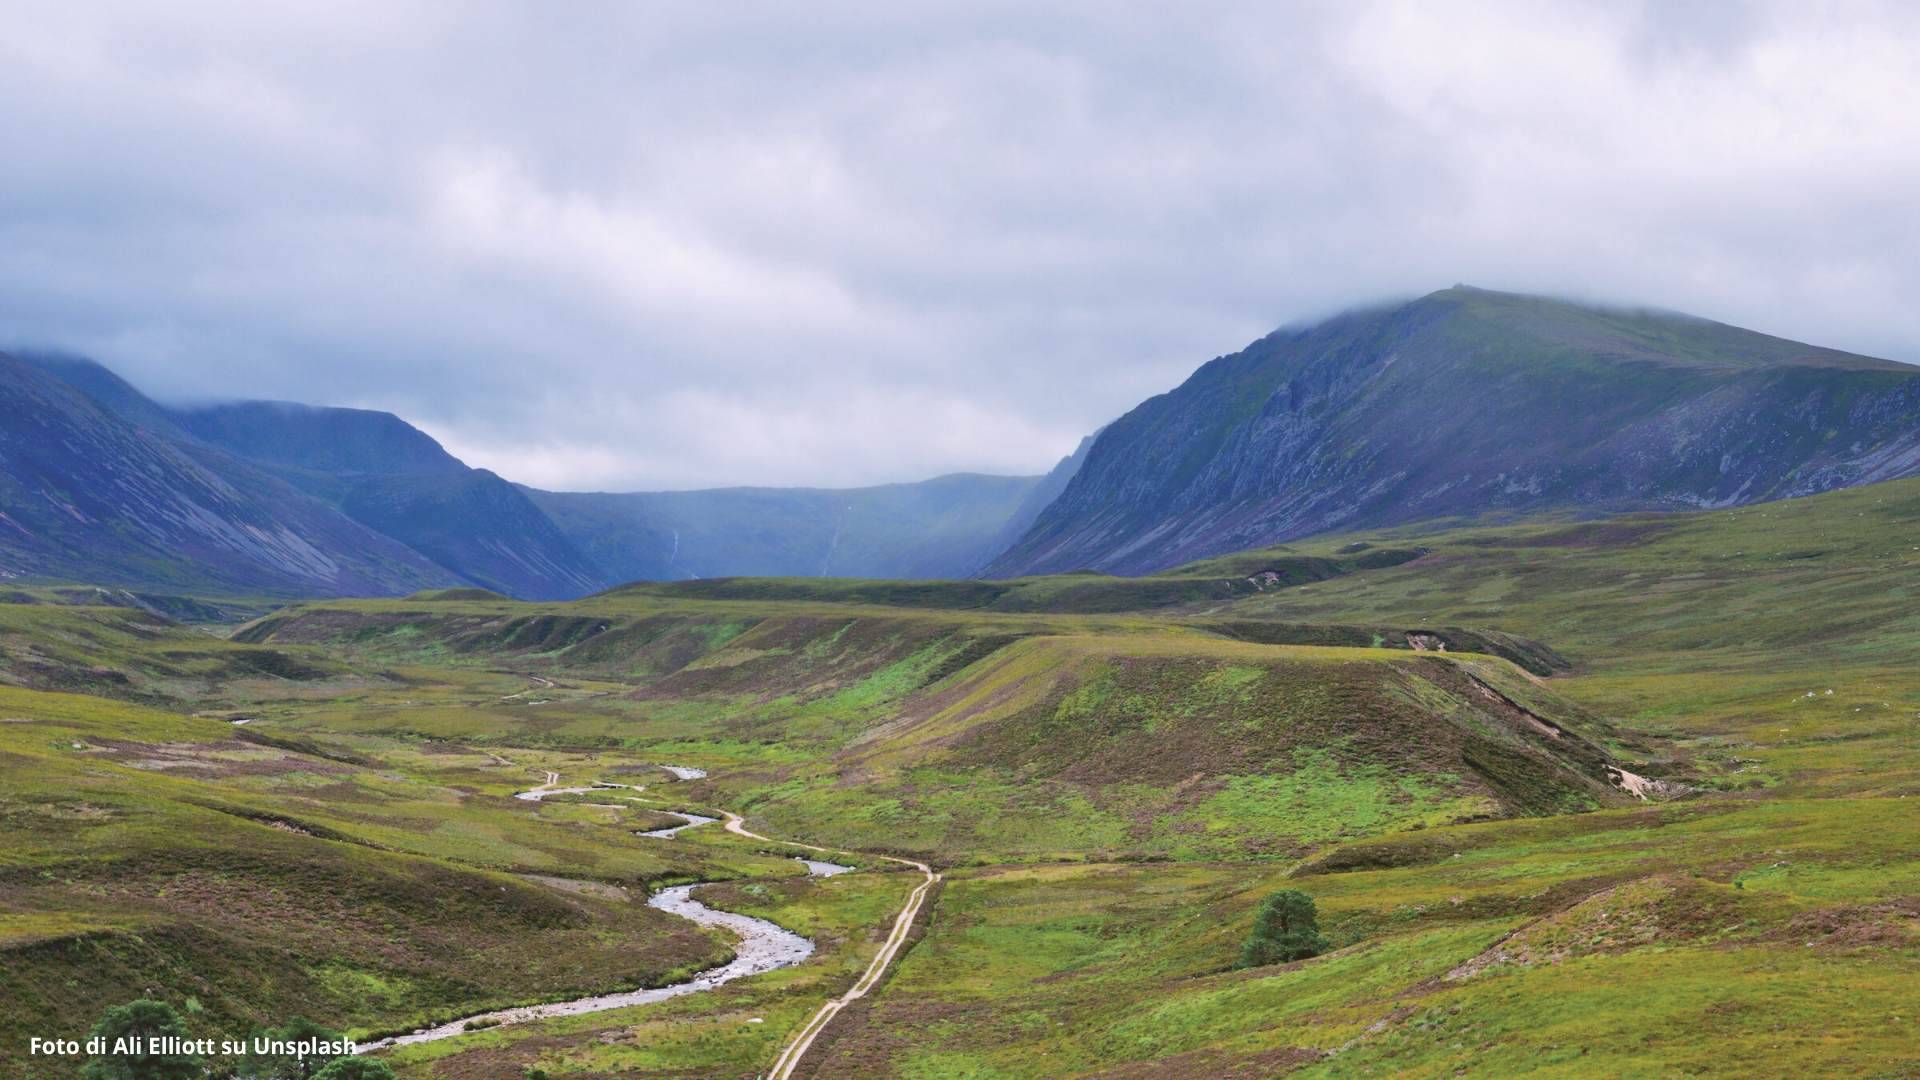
(736, 1030)
(1136, 744)
(1767, 919)
(1169, 745)
(1776, 926)
(152, 849)
(137, 655)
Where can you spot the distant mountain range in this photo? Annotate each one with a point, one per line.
(109, 486)
(946, 527)
(1462, 403)
(1469, 402)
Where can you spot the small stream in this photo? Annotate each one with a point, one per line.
(763, 946)
(689, 821)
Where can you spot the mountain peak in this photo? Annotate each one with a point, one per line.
(1466, 401)
(107, 389)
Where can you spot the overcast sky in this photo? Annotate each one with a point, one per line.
(628, 246)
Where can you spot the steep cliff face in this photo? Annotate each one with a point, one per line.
(1464, 402)
(1036, 501)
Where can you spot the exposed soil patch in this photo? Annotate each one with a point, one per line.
(1628, 916)
(213, 759)
(584, 888)
(1894, 924)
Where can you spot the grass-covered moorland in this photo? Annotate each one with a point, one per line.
(1613, 798)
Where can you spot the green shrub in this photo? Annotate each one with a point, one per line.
(1286, 928)
(140, 1022)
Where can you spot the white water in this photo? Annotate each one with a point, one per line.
(541, 793)
(553, 778)
(763, 947)
(691, 821)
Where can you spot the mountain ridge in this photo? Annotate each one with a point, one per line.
(88, 496)
(373, 467)
(1467, 401)
(479, 529)
(1461, 403)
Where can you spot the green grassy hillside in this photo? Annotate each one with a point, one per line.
(1425, 729)
(140, 655)
(978, 735)
(1156, 745)
(253, 879)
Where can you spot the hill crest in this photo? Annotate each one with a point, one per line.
(1467, 401)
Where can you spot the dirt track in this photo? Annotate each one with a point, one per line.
(764, 946)
(789, 1058)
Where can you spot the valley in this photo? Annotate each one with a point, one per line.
(931, 542)
(1062, 799)
(1463, 404)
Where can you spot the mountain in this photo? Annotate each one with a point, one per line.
(1466, 402)
(319, 439)
(107, 389)
(392, 477)
(481, 526)
(86, 495)
(1041, 496)
(475, 528)
(375, 468)
(945, 527)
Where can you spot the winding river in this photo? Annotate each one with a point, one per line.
(763, 946)
(691, 821)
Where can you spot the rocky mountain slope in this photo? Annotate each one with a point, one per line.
(1467, 402)
(469, 526)
(1463, 403)
(317, 439)
(390, 476)
(86, 495)
(374, 468)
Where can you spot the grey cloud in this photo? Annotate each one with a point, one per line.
(622, 246)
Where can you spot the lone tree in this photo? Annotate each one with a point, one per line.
(129, 1031)
(1287, 928)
